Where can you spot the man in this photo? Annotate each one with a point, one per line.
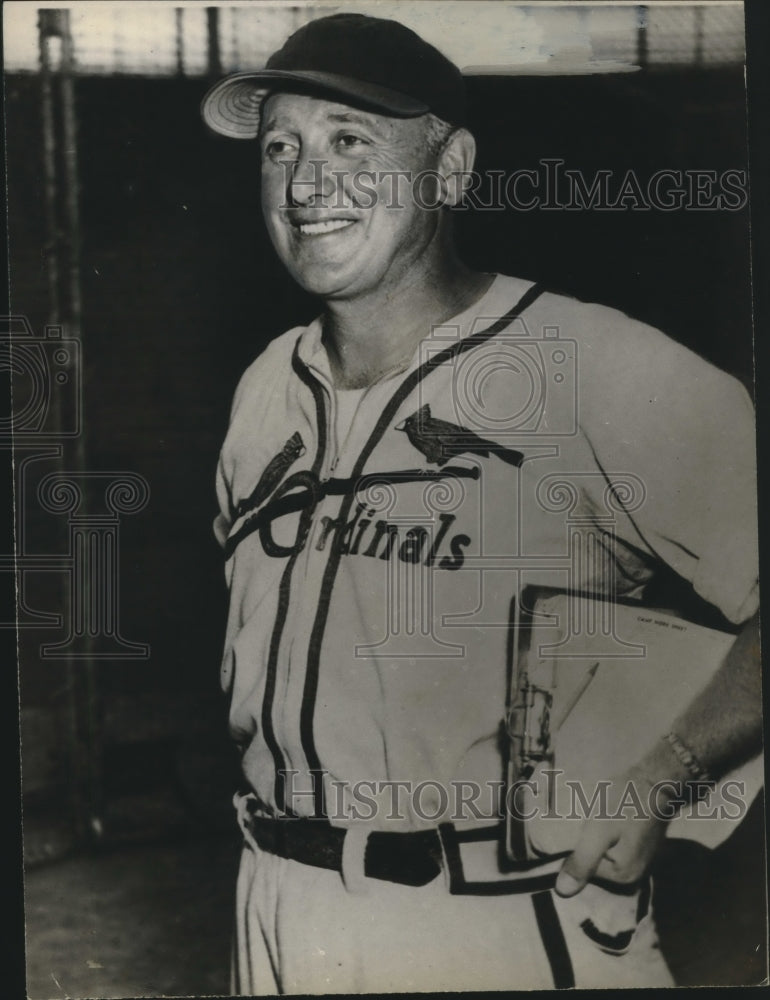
(381, 494)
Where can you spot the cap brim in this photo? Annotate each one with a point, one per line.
(233, 106)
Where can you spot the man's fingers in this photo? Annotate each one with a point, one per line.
(567, 885)
(584, 860)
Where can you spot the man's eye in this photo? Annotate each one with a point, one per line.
(279, 149)
(350, 141)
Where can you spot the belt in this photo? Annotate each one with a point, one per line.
(413, 858)
(406, 858)
(417, 858)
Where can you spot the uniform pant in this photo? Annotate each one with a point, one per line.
(301, 929)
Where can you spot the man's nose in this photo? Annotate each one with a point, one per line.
(310, 181)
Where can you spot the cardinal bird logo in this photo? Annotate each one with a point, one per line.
(273, 473)
(438, 440)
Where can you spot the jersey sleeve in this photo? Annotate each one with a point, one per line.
(223, 520)
(686, 429)
(246, 413)
(727, 572)
(225, 466)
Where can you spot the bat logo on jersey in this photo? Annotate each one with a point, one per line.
(439, 440)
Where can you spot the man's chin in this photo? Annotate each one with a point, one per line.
(325, 283)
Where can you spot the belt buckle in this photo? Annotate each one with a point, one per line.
(484, 854)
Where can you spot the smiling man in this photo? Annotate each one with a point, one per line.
(383, 499)
(349, 232)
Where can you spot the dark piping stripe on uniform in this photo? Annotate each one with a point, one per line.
(319, 626)
(284, 594)
(553, 940)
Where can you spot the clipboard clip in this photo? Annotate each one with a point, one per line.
(528, 725)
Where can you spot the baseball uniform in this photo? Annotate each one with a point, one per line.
(374, 541)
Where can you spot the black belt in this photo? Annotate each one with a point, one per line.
(415, 859)
(406, 858)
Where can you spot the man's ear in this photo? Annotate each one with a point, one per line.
(455, 164)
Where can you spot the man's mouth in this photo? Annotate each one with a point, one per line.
(320, 228)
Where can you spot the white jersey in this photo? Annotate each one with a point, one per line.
(373, 560)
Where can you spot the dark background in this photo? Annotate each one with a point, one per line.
(181, 290)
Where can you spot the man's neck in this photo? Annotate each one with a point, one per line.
(371, 335)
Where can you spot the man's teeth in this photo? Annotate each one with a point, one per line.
(311, 228)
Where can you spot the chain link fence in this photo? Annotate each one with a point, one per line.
(159, 39)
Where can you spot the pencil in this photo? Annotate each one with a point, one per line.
(577, 694)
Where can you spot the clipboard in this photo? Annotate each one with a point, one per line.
(592, 684)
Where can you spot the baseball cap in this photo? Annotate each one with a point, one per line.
(367, 62)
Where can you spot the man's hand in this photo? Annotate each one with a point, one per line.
(722, 727)
(617, 850)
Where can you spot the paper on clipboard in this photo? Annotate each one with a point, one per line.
(650, 667)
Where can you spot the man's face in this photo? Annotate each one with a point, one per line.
(340, 220)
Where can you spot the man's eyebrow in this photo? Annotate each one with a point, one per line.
(273, 123)
(351, 118)
(340, 117)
